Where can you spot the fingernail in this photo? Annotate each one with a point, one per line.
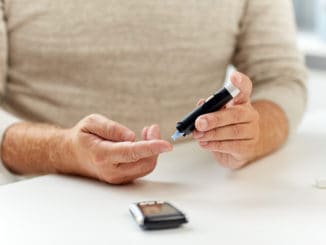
(198, 135)
(203, 143)
(203, 124)
(149, 134)
(238, 77)
(155, 133)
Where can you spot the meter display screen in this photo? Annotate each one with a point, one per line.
(158, 209)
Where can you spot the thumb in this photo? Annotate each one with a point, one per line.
(244, 84)
(105, 128)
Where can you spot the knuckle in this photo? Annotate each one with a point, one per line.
(99, 159)
(89, 120)
(92, 118)
(237, 130)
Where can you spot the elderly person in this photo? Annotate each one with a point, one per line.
(134, 63)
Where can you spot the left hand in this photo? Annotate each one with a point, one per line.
(231, 133)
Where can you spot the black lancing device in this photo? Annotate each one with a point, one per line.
(212, 103)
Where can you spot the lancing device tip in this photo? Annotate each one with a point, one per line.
(176, 135)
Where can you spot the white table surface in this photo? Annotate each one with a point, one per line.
(270, 202)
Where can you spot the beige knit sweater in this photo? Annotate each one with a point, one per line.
(142, 62)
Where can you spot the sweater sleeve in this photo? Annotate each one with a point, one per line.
(6, 119)
(267, 52)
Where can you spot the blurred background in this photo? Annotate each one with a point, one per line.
(311, 22)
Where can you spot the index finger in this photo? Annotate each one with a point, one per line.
(107, 129)
(244, 84)
(232, 115)
(123, 152)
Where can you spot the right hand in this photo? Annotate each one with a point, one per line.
(106, 150)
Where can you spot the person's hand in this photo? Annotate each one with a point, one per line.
(231, 133)
(106, 150)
